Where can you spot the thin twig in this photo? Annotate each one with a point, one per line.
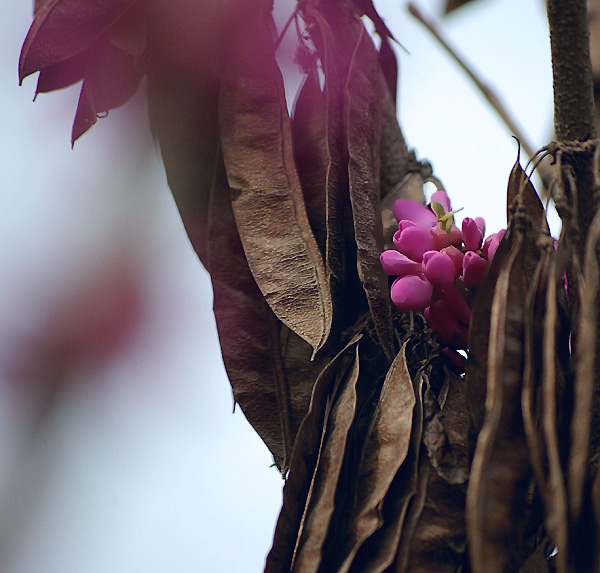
(490, 96)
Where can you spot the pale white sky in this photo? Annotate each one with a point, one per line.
(141, 467)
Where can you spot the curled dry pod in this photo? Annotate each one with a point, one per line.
(267, 199)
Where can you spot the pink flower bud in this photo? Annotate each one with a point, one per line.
(474, 268)
(440, 318)
(439, 269)
(413, 242)
(491, 244)
(457, 258)
(457, 304)
(471, 235)
(395, 263)
(404, 224)
(415, 212)
(442, 198)
(443, 239)
(411, 292)
(480, 222)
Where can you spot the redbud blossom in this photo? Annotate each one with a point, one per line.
(412, 292)
(457, 258)
(471, 235)
(395, 263)
(480, 222)
(440, 318)
(415, 212)
(491, 244)
(443, 239)
(442, 198)
(438, 268)
(413, 242)
(474, 268)
(457, 303)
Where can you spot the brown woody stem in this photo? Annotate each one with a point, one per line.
(574, 99)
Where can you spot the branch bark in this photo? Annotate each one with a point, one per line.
(574, 100)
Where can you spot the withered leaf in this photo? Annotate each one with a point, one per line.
(394, 157)
(439, 539)
(183, 115)
(63, 28)
(585, 376)
(335, 66)
(500, 472)
(555, 494)
(380, 550)
(384, 451)
(448, 459)
(320, 504)
(309, 129)
(267, 200)
(389, 67)
(304, 460)
(521, 192)
(248, 330)
(363, 121)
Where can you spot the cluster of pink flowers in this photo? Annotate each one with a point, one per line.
(437, 264)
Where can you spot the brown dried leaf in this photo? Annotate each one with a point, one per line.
(448, 460)
(389, 67)
(248, 330)
(335, 67)
(320, 504)
(500, 472)
(384, 451)
(555, 502)
(439, 539)
(183, 115)
(585, 358)
(380, 549)
(521, 192)
(304, 460)
(363, 121)
(267, 199)
(394, 157)
(309, 130)
(530, 400)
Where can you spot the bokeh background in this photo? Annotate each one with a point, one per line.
(119, 451)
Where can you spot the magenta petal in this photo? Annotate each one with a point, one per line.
(480, 222)
(395, 263)
(474, 268)
(440, 318)
(413, 242)
(491, 244)
(442, 198)
(415, 212)
(412, 292)
(439, 269)
(405, 224)
(442, 239)
(471, 235)
(457, 304)
(457, 258)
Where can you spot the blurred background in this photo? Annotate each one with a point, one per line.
(119, 451)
